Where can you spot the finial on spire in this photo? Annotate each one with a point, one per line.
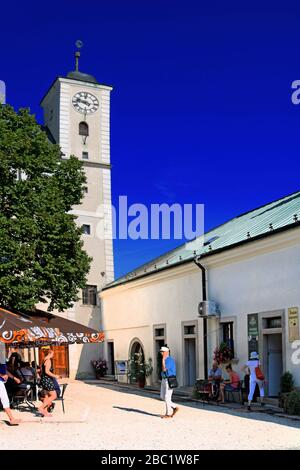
(79, 45)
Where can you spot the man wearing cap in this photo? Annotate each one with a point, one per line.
(254, 365)
(168, 369)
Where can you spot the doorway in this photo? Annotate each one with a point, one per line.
(137, 357)
(60, 362)
(111, 358)
(274, 362)
(190, 361)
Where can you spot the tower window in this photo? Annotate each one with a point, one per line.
(89, 295)
(86, 229)
(83, 129)
(85, 155)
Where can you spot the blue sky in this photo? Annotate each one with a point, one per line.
(201, 107)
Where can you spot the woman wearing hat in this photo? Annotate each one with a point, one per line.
(168, 370)
(256, 377)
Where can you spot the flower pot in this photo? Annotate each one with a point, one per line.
(141, 382)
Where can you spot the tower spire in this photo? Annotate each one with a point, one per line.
(79, 45)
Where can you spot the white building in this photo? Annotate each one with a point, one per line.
(77, 117)
(250, 267)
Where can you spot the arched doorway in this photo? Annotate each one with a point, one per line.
(136, 358)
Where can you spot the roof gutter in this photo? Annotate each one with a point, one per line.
(204, 298)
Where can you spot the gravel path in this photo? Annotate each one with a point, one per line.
(98, 417)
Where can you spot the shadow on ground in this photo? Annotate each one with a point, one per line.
(258, 414)
(135, 410)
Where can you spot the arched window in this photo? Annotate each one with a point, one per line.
(83, 129)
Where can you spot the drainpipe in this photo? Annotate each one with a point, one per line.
(204, 297)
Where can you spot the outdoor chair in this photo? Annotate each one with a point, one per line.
(24, 396)
(205, 391)
(230, 394)
(61, 397)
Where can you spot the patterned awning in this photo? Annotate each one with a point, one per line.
(39, 328)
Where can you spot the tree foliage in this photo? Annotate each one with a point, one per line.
(41, 252)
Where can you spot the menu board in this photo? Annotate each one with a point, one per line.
(120, 367)
(293, 321)
(252, 333)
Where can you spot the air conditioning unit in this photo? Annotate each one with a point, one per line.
(208, 308)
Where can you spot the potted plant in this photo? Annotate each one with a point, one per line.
(286, 387)
(223, 354)
(139, 369)
(100, 368)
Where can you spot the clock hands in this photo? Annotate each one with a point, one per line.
(79, 100)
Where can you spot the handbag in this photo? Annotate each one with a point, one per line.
(259, 374)
(172, 381)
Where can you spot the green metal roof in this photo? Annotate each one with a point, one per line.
(266, 220)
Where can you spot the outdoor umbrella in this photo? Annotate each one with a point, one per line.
(40, 328)
(16, 328)
(70, 331)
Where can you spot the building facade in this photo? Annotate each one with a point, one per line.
(77, 117)
(251, 266)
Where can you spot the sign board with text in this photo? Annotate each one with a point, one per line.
(120, 367)
(293, 324)
(252, 333)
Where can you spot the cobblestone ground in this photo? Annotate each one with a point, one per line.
(99, 417)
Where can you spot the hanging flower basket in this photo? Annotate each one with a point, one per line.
(223, 354)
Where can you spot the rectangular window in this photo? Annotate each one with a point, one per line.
(89, 295)
(228, 335)
(274, 322)
(189, 329)
(85, 155)
(159, 332)
(86, 229)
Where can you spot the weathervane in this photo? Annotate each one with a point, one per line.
(79, 45)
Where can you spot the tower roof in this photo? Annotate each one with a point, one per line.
(83, 77)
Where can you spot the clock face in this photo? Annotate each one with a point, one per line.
(85, 103)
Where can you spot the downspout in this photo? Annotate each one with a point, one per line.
(204, 297)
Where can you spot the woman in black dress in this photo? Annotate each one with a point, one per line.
(47, 383)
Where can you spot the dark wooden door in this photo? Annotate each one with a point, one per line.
(60, 362)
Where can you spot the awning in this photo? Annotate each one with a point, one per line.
(70, 331)
(40, 328)
(20, 328)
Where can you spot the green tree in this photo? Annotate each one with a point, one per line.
(41, 251)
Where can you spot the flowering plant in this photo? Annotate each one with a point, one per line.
(139, 368)
(223, 354)
(100, 367)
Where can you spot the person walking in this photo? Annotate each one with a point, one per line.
(4, 397)
(168, 370)
(48, 384)
(256, 378)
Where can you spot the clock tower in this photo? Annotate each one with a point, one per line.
(77, 117)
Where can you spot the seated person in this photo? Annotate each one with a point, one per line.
(26, 373)
(215, 377)
(229, 385)
(36, 369)
(44, 394)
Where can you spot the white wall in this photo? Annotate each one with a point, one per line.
(130, 311)
(262, 281)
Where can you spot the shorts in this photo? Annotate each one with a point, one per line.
(230, 388)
